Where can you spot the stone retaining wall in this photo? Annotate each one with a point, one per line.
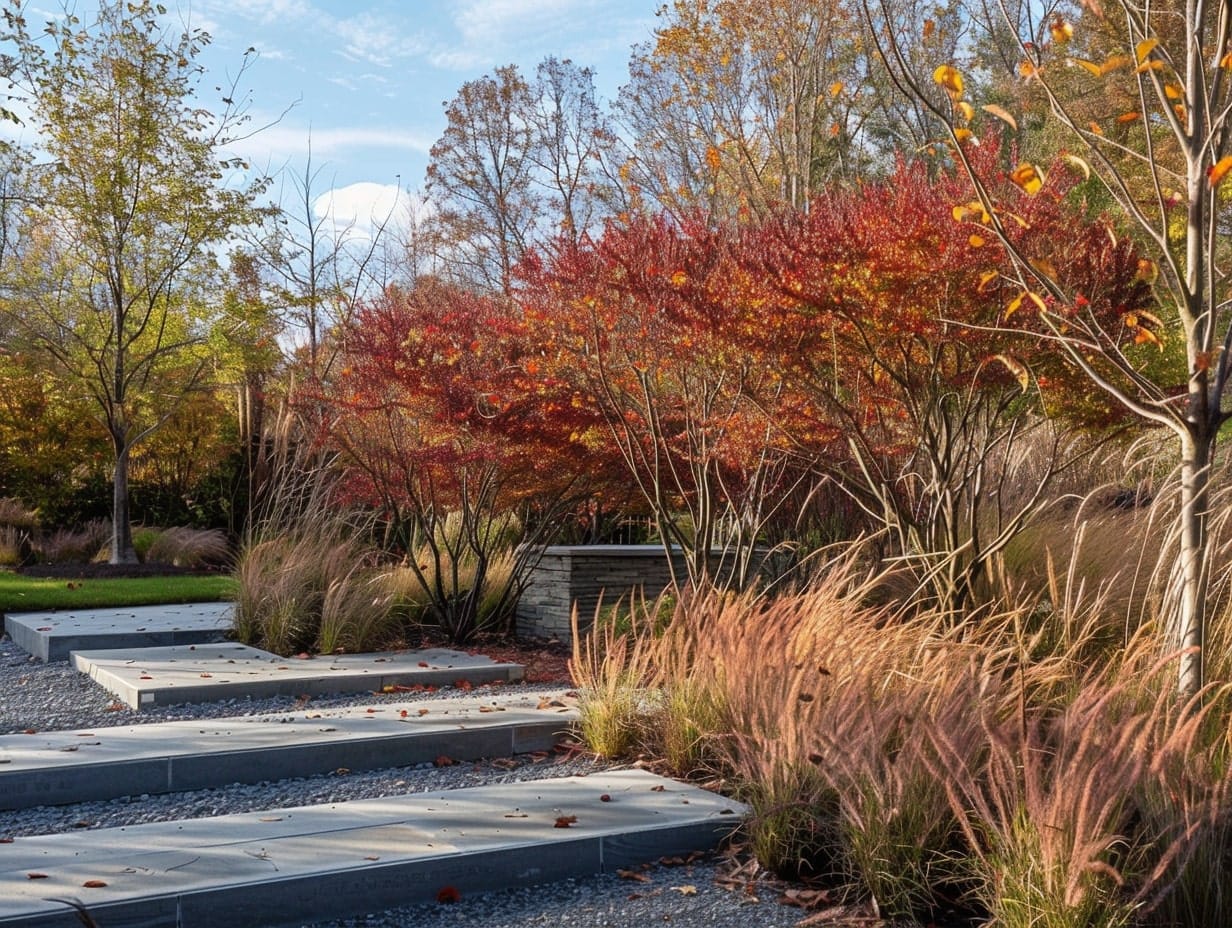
(582, 574)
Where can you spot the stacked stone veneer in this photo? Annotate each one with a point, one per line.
(586, 574)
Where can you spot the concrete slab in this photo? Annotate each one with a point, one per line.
(147, 677)
(50, 636)
(49, 768)
(288, 866)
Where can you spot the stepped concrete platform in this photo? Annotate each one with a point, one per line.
(50, 768)
(166, 676)
(289, 866)
(50, 636)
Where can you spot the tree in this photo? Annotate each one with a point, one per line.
(480, 177)
(643, 325)
(573, 149)
(445, 430)
(129, 200)
(1161, 160)
(888, 323)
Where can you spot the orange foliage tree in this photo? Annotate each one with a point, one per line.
(447, 428)
(644, 324)
(890, 322)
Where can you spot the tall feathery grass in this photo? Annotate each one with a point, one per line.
(306, 577)
(1032, 766)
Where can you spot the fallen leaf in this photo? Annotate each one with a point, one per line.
(6, 840)
(206, 676)
(633, 875)
(44, 628)
(443, 761)
(94, 884)
(448, 895)
(271, 818)
(423, 712)
(688, 889)
(403, 713)
(36, 876)
(145, 676)
(605, 798)
(658, 789)
(423, 663)
(29, 731)
(565, 821)
(372, 858)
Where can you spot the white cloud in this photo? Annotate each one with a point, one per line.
(358, 211)
(376, 40)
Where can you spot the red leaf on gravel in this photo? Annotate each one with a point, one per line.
(633, 875)
(443, 761)
(566, 821)
(29, 731)
(448, 895)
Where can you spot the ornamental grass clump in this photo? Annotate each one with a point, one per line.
(306, 578)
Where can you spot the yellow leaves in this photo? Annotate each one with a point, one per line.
(1131, 116)
(713, 159)
(986, 281)
(1044, 267)
(1226, 62)
(1028, 178)
(1027, 69)
(1147, 271)
(1144, 48)
(976, 241)
(963, 134)
(965, 109)
(1173, 91)
(948, 76)
(1104, 68)
(1026, 296)
(973, 211)
(993, 110)
(836, 88)
(1061, 30)
(1217, 171)
(1143, 324)
(679, 279)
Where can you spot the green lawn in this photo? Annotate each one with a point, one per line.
(21, 594)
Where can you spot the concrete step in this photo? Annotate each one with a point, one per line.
(50, 636)
(144, 677)
(289, 866)
(54, 768)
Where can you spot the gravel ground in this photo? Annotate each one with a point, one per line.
(39, 696)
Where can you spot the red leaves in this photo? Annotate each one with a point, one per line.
(565, 821)
(447, 895)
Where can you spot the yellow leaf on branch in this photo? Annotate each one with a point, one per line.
(948, 76)
(1028, 178)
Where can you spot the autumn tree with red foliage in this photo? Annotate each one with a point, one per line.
(644, 323)
(891, 322)
(447, 427)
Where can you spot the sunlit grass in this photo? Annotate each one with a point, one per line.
(19, 593)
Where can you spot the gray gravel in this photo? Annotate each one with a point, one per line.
(43, 697)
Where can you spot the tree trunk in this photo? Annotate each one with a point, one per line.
(1194, 575)
(122, 550)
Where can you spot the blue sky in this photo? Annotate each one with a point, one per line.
(365, 80)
